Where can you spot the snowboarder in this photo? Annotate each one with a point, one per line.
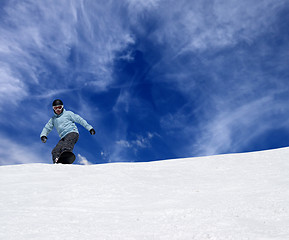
(64, 122)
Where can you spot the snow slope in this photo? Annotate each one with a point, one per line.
(236, 196)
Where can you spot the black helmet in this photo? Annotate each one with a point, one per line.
(57, 102)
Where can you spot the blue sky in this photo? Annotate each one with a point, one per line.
(157, 79)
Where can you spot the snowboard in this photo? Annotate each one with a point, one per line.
(66, 158)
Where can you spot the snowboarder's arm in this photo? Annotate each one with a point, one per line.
(47, 129)
(76, 118)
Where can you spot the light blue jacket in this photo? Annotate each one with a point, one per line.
(64, 124)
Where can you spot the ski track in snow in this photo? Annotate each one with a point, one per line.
(224, 197)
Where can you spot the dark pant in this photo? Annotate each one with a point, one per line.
(65, 144)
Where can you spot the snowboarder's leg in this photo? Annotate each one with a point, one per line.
(69, 141)
(56, 152)
(65, 144)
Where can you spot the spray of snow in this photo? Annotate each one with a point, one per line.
(83, 160)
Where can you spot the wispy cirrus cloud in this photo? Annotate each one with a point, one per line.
(219, 55)
(138, 142)
(40, 44)
(235, 128)
(12, 89)
(202, 25)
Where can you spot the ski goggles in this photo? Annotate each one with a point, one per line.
(58, 107)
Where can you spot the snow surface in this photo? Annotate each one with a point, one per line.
(234, 196)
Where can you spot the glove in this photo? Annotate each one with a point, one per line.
(92, 131)
(43, 139)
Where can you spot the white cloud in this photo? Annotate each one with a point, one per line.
(12, 89)
(123, 101)
(124, 143)
(185, 26)
(232, 129)
(15, 153)
(139, 142)
(142, 5)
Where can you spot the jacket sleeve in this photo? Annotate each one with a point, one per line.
(76, 118)
(48, 128)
